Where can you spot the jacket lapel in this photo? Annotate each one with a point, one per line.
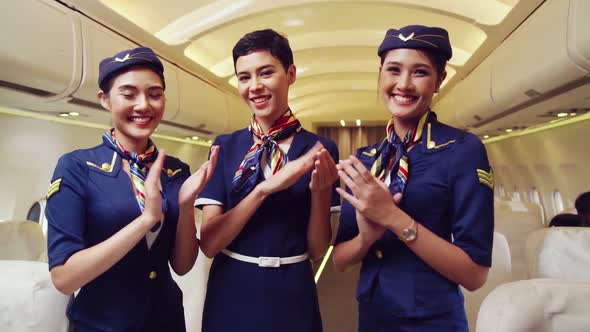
(302, 140)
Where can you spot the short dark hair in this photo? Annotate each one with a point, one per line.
(266, 39)
(438, 60)
(582, 203)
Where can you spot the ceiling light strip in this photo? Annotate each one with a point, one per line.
(536, 129)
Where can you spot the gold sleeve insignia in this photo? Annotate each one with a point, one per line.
(370, 153)
(486, 178)
(53, 188)
(171, 173)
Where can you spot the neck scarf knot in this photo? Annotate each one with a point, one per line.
(392, 155)
(137, 167)
(249, 172)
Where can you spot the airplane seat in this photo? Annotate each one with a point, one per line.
(570, 210)
(194, 286)
(22, 240)
(559, 253)
(536, 305)
(516, 220)
(29, 301)
(500, 273)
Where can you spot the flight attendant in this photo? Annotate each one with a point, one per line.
(120, 212)
(418, 209)
(266, 210)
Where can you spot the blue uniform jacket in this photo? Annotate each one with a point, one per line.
(244, 296)
(450, 192)
(90, 199)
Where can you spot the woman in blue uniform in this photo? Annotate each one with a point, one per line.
(266, 209)
(119, 212)
(418, 210)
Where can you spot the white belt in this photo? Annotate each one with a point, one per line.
(266, 261)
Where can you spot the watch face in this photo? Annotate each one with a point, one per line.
(409, 234)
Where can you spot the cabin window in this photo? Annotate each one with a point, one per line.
(516, 196)
(37, 214)
(501, 191)
(557, 202)
(535, 196)
(526, 195)
(34, 212)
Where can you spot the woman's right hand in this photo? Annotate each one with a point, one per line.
(369, 231)
(153, 198)
(290, 173)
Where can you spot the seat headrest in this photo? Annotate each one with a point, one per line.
(559, 253)
(22, 240)
(539, 305)
(29, 300)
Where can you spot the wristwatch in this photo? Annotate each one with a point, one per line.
(409, 233)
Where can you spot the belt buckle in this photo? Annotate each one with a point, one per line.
(269, 261)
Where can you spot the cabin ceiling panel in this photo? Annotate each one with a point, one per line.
(334, 41)
(323, 27)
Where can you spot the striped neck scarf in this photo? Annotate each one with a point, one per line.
(392, 154)
(137, 166)
(249, 172)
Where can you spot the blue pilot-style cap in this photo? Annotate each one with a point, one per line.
(432, 39)
(141, 56)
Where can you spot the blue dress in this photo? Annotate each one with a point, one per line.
(449, 193)
(244, 296)
(90, 199)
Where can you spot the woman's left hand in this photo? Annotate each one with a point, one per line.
(325, 173)
(370, 196)
(196, 182)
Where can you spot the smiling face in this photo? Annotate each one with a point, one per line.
(407, 83)
(264, 83)
(136, 101)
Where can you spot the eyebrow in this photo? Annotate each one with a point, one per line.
(132, 87)
(416, 65)
(127, 87)
(257, 69)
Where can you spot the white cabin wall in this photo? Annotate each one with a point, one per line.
(549, 160)
(31, 147)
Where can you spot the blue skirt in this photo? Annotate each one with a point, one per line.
(373, 318)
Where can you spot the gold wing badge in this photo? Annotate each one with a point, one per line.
(170, 172)
(486, 178)
(53, 188)
(370, 153)
(105, 167)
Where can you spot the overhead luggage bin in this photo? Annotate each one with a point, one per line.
(544, 54)
(470, 101)
(45, 63)
(202, 106)
(99, 43)
(547, 56)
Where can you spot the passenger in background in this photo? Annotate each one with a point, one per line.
(567, 220)
(266, 210)
(418, 210)
(582, 204)
(111, 230)
(582, 219)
